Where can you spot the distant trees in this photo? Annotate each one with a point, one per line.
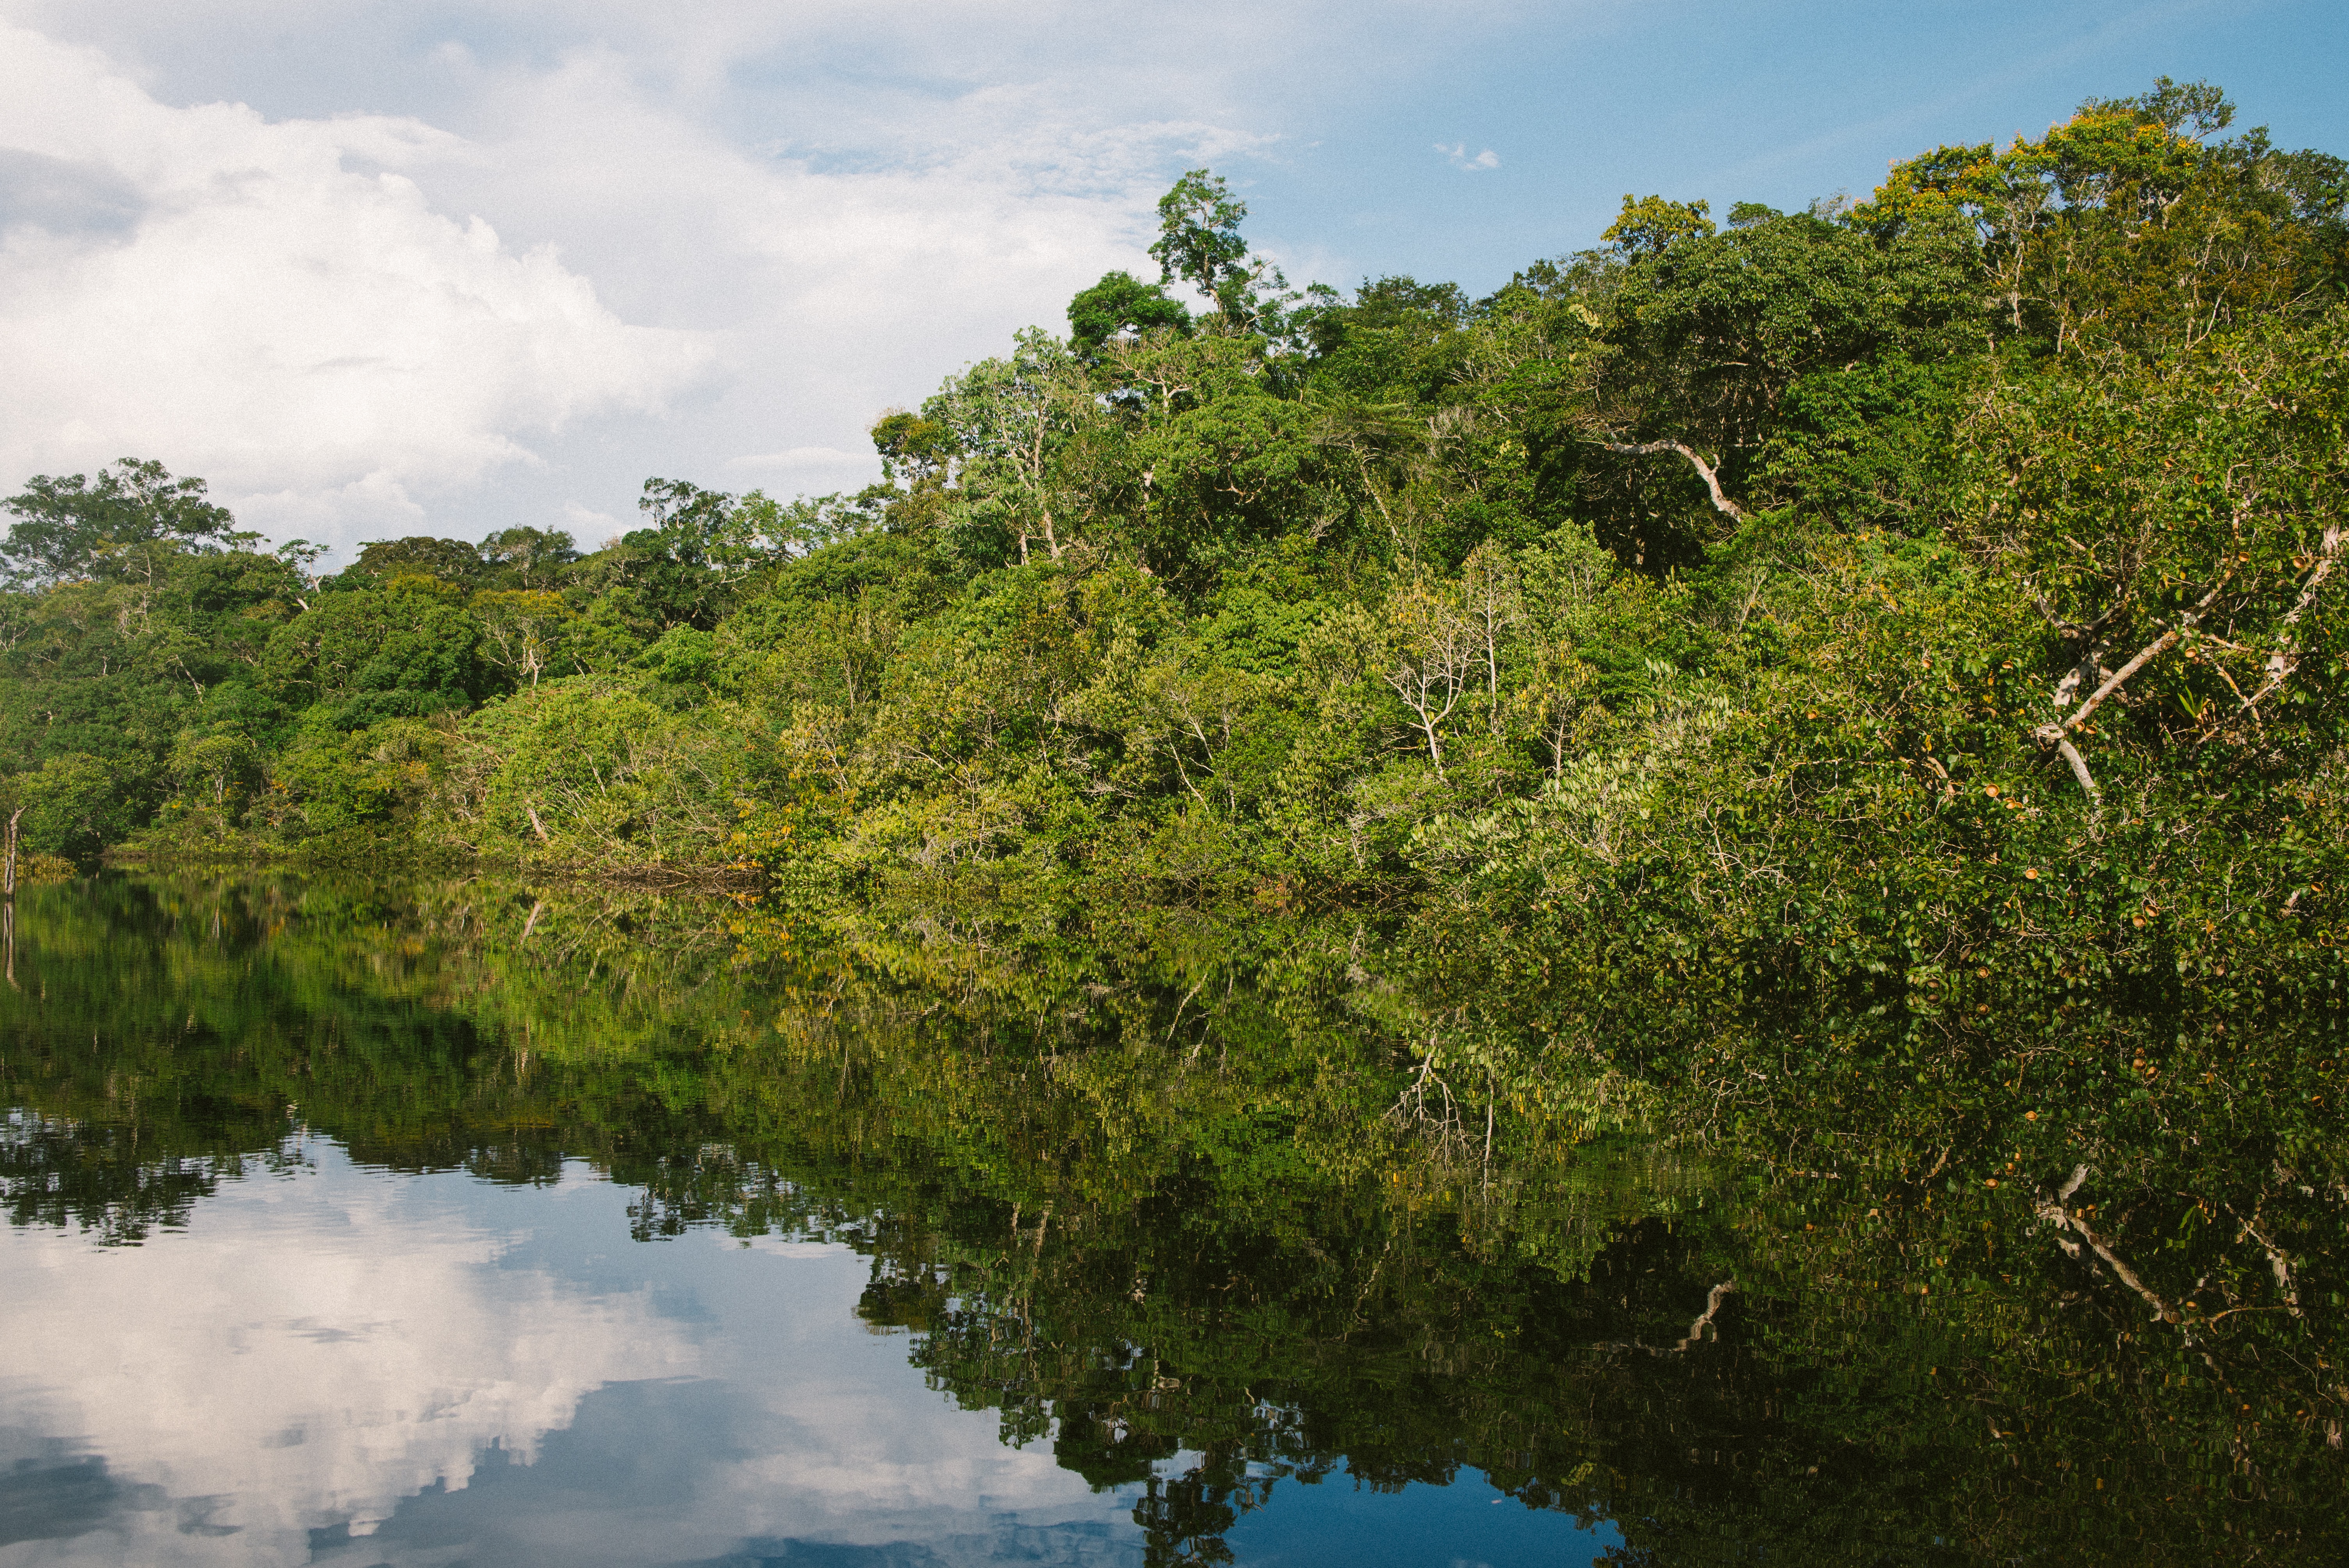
(1120, 305)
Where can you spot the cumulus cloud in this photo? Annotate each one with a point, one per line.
(598, 240)
(1458, 153)
(834, 285)
(796, 457)
(277, 306)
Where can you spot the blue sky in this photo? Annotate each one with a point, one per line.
(384, 267)
(1779, 103)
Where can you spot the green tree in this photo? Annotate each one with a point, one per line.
(363, 656)
(448, 560)
(124, 523)
(77, 805)
(1651, 226)
(521, 629)
(2127, 227)
(1199, 242)
(1008, 420)
(1121, 305)
(1709, 333)
(533, 559)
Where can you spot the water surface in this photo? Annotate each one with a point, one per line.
(465, 1223)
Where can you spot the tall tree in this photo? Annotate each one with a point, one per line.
(119, 525)
(1122, 304)
(1199, 242)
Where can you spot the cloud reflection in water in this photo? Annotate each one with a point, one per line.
(336, 1364)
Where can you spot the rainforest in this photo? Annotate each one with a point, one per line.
(1902, 588)
(1928, 602)
(1711, 884)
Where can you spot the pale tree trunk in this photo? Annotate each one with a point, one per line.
(2286, 658)
(1036, 479)
(1430, 676)
(2058, 734)
(1490, 589)
(1721, 502)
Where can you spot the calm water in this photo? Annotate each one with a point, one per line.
(334, 1362)
(470, 1225)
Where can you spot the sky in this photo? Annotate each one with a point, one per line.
(386, 267)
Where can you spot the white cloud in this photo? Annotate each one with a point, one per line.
(706, 235)
(376, 505)
(1458, 153)
(276, 306)
(589, 527)
(794, 458)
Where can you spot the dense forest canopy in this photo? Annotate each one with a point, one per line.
(1937, 582)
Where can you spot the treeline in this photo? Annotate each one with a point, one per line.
(1929, 589)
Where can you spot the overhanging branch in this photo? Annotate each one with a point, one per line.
(1721, 502)
(2058, 734)
(2055, 1214)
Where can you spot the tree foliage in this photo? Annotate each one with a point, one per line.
(1945, 579)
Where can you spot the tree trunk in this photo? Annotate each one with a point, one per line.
(1721, 502)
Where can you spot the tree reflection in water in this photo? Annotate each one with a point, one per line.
(1188, 1247)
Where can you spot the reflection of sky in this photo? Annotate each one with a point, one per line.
(344, 1366)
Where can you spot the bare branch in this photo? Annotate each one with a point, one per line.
(2144, 656)
(2278, 1263)
(2053, 1211)
(1712, 1300)
(2286, 658)
(1721, 502)
(1431, 663)
(2057, 734)
(2151, 651)
(2071, 754)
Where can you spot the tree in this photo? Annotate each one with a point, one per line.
(1396, 334)
(520, 628)
(1007, 419)
(448, 560)
(1199, 242)
(1491, 602)
(1208, 461)
(530, 558)
(917, 450)
(2180, 528)
(76, 806)
(362, 657)
(1121, 305)
(2127, 228)
(1708, 332)
(117, 526)
(684, 568)
(221, 770)
(1433, 656)
(810, 522)
(1650, 225)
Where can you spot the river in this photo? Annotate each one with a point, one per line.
(463, 1222)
